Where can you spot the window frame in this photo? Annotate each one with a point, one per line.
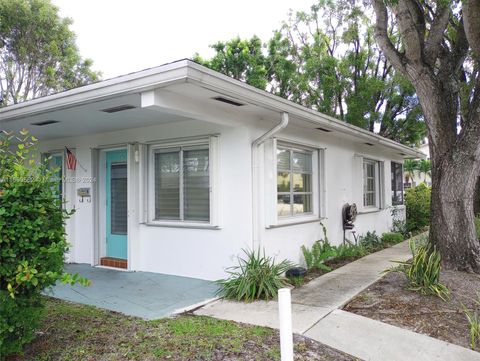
(377, 192)
(208, 143)
(317, 174)
(393, 179)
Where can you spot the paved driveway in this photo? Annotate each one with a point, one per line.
(142, 294)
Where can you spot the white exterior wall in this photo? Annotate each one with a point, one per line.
(204, 253)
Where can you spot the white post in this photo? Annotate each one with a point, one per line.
(285, 317)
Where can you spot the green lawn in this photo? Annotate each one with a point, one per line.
(77, 332)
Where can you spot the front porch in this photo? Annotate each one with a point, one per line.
(141, 294)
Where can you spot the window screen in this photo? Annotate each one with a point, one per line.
(118, 175)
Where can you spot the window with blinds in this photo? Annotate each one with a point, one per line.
(397, 183)
(182, 184)
(118, 189)
(370, 183)
(294, 182)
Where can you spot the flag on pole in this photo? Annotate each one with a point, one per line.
(70, 160)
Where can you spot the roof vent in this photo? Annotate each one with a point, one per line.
(45, 122)
(228, 101)
(120, 108)
(369, 144)
(323, 130)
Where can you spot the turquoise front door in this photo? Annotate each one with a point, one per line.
(116, 203)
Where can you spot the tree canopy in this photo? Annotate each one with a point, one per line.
(327, 59)
(38, 54)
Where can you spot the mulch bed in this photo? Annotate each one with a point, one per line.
(389, 301)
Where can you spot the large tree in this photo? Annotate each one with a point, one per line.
(439, 53)
(327, 59)
(38, 55)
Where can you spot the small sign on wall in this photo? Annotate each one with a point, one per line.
(84, 193)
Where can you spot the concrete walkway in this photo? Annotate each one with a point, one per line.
(142, 294)
(316, 299)
(316, 314)
(372, 340)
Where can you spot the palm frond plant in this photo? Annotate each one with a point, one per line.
(409, 168)
(423, 271)
(256, 276)
(425, 168)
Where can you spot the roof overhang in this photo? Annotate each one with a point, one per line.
(147, 82)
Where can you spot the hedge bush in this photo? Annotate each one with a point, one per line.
(32, 239)
(417, 203)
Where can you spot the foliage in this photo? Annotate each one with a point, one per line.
(423, 271)
(409, 168)
(349, 250)
(320, 252)
(326, 59)
(256, 277)
(392, 237)
(473, 318)
(371, 242)
(38, 55)
(32, 239)
(417, 204)
(425, 168)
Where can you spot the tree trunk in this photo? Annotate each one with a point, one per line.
(452, 229)
(455, 171)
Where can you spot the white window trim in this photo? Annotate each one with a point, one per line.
(379, 186)
(318, 170)
(212, 143)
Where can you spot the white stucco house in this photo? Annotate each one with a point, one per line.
(180, 167)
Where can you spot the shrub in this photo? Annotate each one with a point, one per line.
(370, 242)
(392, 237)
(417, 203)
(473, 318)
(321, 251)
(348, 250)
(256, 277)
(423, 271)
(32, 239)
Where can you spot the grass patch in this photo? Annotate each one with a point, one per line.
(79, 332)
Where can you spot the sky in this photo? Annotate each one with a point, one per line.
(123, 36)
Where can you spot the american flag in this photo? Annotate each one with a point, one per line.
(71, 160)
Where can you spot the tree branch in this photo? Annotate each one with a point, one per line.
(471, 20)
(435, 37)
(412, 27)
(381, 36)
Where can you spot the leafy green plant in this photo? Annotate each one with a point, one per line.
(321, 251)
(423, 271)
(473, 318)
(32, 239)
(417, 203)
(255, 277)
(370, 242)
(348, 250)
(392, 237)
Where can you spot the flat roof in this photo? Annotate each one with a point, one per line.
(186, 70)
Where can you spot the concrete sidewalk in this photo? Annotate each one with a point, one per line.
(316, 314)
(315, 300)
(373, 340)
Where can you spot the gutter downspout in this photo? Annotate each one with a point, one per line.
(256, 180)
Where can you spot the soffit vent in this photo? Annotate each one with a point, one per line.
(228, 101)
(120, 108)
(323, 130)
(45, 122)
